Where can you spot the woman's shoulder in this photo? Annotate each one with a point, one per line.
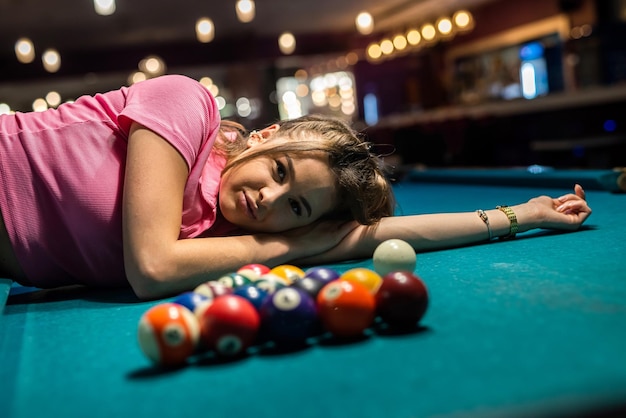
(172, 86)
(176, 79)
(177, 108)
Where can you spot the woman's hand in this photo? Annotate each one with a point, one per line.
(567, 212)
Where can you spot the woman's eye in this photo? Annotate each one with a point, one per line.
(281, 173)
(295, 207)
(280, 170)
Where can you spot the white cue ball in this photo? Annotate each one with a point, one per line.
(394, 255)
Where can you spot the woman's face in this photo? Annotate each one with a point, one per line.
(277, 193)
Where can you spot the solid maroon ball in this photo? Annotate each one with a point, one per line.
(402, 299)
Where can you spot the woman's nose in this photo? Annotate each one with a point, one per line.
(269, 196)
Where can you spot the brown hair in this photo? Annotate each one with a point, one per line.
(364, 194)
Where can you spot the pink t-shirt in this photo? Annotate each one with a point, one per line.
(62, 173)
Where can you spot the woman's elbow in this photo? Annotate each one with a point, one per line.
(147, 279)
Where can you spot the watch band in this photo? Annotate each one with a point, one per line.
(512, 219)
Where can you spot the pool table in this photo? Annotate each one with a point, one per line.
(534, 326)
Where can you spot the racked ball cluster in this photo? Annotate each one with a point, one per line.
(285, 305)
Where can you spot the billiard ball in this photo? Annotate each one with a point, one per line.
(323, 273)
(253, 271)
(402, 299)
(394, 255)
(366, 277)
(234, 280)
(288, 272)
(310, 285)
(289, 315)
(168, 334)
(212, 289)
(192, 301)
(252, 294)
(229, 325)
(346, 309)
(270, 283)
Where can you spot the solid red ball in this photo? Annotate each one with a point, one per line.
(402, 299)
(230, 325)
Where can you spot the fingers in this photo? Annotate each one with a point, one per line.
(579, 193)
(578, 190)
(574, 207)
(564, 207)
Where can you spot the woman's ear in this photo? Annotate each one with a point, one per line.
(259, 137)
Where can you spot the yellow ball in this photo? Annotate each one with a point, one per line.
(366, 277)
(288, 272)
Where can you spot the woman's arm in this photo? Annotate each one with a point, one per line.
(447, 230)
(158, 263)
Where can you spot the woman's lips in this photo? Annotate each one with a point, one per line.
(248, 205)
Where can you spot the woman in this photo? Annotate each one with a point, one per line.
(110, 190)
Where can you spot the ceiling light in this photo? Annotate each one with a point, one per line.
(364, 23)
(399, 42)
(245, 10)
(414, 37)
(463, 20)
(374, 52)
(444, 26)
(5, 109)
(428, 32)
(40, 105)
(24, 50)
(205, 30)
(386, 46)
(207, 82)
(152, 65)
(104, 7)
(352, 58)
(53, 99)
(51, 60)
(136, 77)
(287, 43)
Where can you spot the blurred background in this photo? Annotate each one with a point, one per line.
(445, 82)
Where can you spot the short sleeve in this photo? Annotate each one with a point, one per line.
(175, 107)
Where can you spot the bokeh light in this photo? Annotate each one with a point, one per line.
(364, 23)
(205, 30)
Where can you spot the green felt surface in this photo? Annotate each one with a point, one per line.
(5, 288)
(529, 327)
(533, 176)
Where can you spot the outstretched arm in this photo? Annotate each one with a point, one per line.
(447, 230)
(157, 262)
